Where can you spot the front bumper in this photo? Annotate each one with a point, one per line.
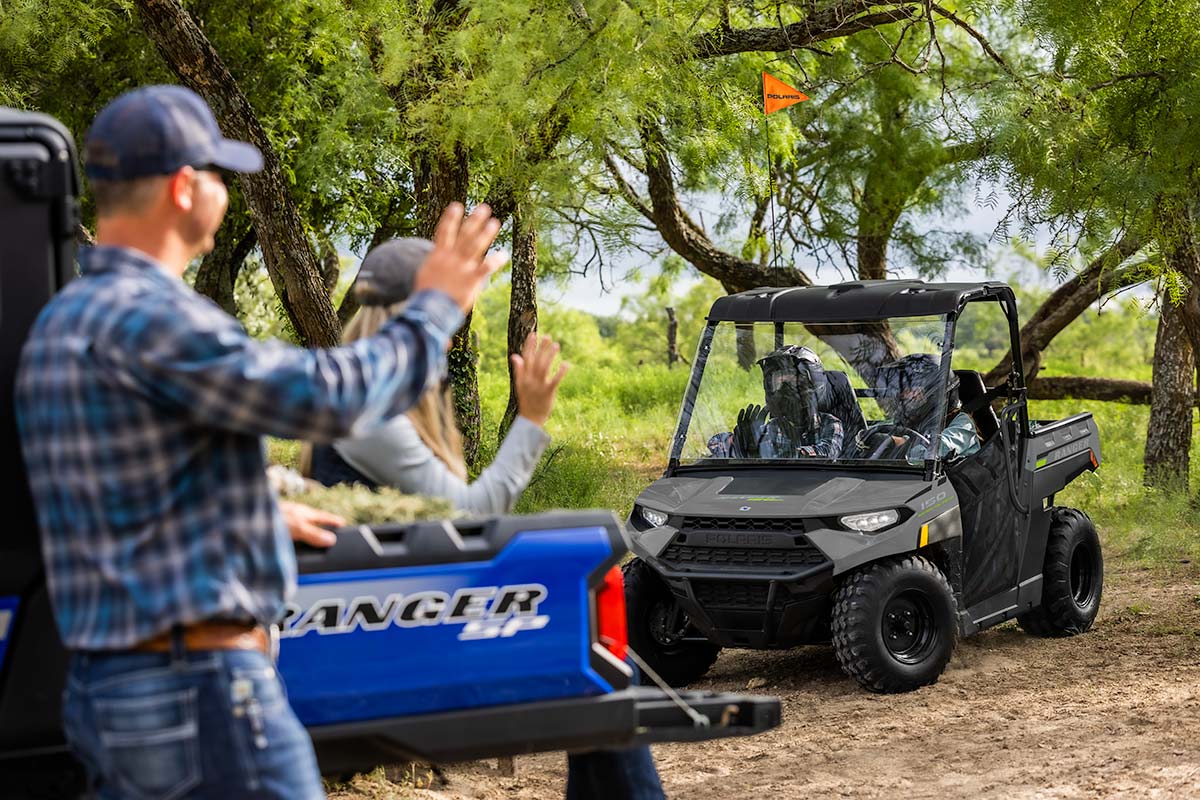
(756, 589)
(634, 716)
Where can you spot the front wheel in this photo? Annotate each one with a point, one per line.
(1072, 577)
(894, 624)
(658, 627)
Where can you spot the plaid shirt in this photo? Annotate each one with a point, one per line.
(141, 406)
(774, 443)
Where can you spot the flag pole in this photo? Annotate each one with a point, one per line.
(776, 95)
(771, 191)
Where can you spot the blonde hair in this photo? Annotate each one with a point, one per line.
(433, 415)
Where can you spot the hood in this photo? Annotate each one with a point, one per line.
(783, 493)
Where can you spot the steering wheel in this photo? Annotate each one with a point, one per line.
(876, 440)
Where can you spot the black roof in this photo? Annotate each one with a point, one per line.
(852, 301)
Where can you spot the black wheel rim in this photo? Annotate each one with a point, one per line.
(668, 623)
(1083, 575)
(909, 629)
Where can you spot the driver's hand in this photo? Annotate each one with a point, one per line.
(899, 441)
(310, 525)
(750, 421)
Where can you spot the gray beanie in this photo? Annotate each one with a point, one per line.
(389, 270)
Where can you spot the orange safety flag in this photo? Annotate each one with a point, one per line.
(778, 95)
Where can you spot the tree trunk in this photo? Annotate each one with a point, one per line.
(440, 179)
(348, 307)
(672, 338)
(218, 271)
(747, 352)
(331, 265)
(1169, 439)
(1169, 434)
(1177, 244)
(522, 309)
(287, 252)
(880, 209)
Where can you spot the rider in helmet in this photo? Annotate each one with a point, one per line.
(791, 424)
(907, 389)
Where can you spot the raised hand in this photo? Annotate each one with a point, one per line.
(750, 422)
(459, 263)
(535, 385)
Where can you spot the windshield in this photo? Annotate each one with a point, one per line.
(848, 392)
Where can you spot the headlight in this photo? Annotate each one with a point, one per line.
(874, 521)
(655, 518)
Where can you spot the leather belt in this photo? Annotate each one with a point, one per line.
(212, 635)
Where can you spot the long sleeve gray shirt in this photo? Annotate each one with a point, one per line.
(394, 455)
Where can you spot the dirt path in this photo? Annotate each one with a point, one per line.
(1114, 713)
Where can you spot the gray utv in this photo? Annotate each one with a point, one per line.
(902, 510)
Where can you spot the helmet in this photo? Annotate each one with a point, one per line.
(908, 387)
(789, 383)
(804, 359)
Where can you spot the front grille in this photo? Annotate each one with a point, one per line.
(741, 524)
(802, 554)
(719, 594)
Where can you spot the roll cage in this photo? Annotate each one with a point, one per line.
(866, 302)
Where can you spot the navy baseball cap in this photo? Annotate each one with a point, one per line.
(389, 271)
(156, 130)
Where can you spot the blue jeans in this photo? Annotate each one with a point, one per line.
(201, 724)
(614, 774)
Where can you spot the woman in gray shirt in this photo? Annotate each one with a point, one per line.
(421, 453)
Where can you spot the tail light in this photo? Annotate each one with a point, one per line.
(610, 614)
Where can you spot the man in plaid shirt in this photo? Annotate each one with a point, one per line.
(141, 406)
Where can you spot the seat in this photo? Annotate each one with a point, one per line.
(971, 388)
(843, 404)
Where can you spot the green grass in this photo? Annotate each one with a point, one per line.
(611, 428)
(1144, 525)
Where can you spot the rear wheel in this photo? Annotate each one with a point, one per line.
(894, 624)
(660, 631)
(1072, 577)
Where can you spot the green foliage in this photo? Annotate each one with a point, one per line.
(1146, 525)
(300, 65)
(259, 309)
(1107, 128)
(1115, 340)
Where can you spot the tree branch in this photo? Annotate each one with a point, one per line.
(689, 240)
(1100, 278)
(626, 190)
(1122, 78)
(1110, 390)
(978, 37)
(836, 21)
